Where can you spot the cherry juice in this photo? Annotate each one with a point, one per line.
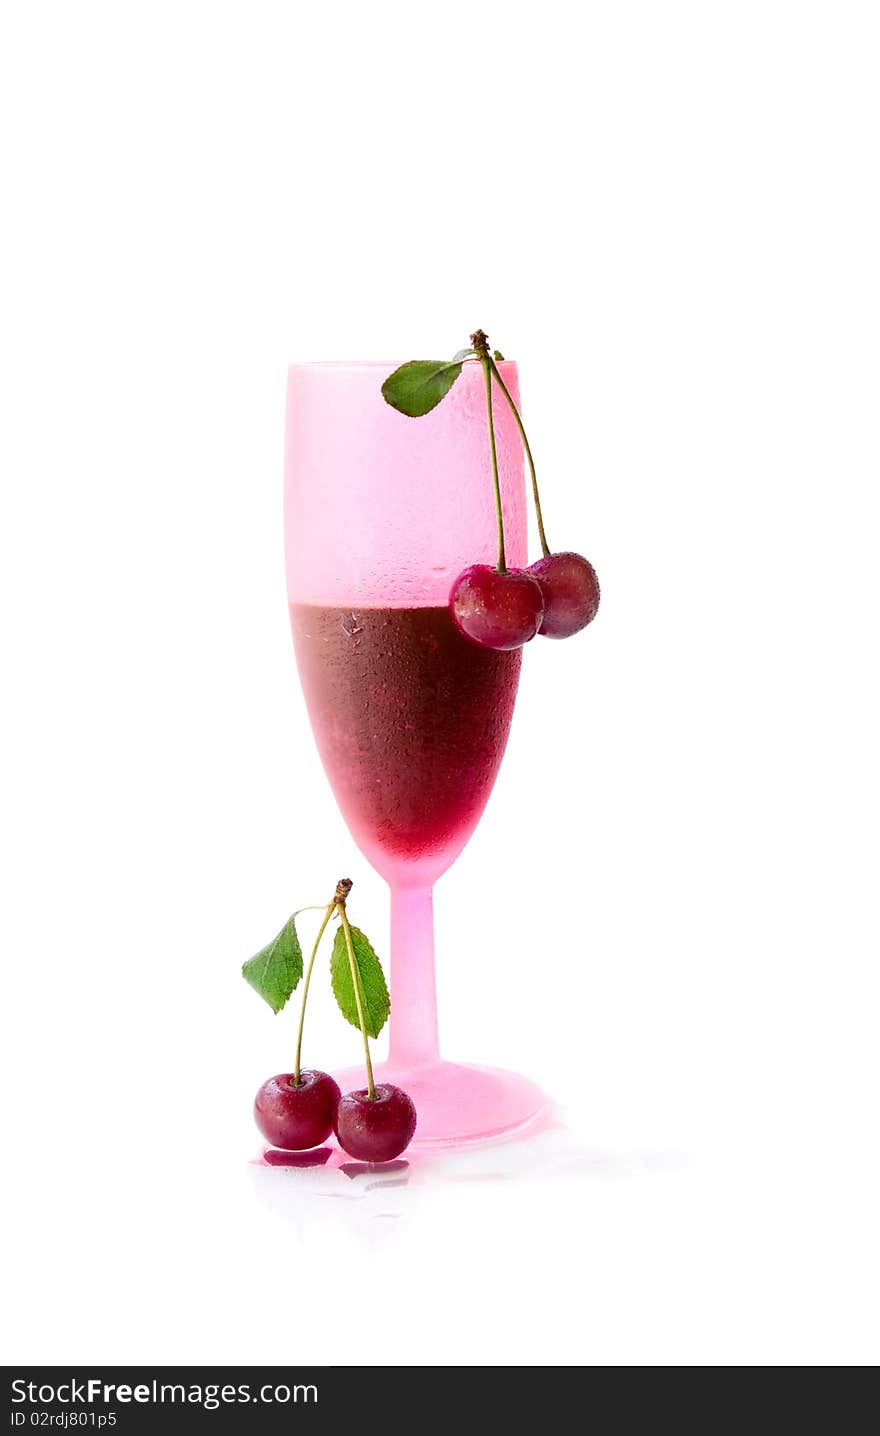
(411, 721)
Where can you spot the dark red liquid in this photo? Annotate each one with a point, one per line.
(411, 721)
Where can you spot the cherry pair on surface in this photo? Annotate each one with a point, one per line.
(295, 1118)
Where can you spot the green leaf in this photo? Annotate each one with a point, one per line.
(462, 354)
(276, 969)
(377, 1003)
(417, 387)
(499, 356)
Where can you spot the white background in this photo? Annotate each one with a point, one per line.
(669, 215)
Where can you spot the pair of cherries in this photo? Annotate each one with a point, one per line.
(297, 1117)
(505, 608)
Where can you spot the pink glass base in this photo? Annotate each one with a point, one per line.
(457, 1103)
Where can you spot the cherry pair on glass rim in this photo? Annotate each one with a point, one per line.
(295, 1118)
(505, 608)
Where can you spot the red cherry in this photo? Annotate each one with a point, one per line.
(296, 1118)
(375, 1129)
(571, 593)
(496, 610)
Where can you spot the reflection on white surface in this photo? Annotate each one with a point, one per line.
(297, 1186)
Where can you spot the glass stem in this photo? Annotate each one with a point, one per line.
(414, 1039)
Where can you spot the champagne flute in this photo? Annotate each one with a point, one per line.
(411, 719)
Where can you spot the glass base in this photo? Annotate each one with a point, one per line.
(457, 1103)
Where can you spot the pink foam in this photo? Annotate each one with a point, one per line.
(383, 511)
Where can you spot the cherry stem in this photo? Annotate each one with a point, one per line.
(480, 342)
(302, 1011)
(356, 983)
(486, 363)
(519, 423)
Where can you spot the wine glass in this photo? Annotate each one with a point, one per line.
(411, 719)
